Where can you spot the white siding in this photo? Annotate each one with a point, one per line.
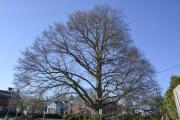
(176, 92)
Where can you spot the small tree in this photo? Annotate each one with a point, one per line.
(92, 50)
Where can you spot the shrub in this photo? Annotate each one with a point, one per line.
(106, 117)
(37, 115)
(69, 117)
(53, 116)
(77, 117)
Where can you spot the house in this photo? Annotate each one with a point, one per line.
(63, 106)
(6, 102)
(34, 105)
(144, 110)
(57, 107)
(40, 106)
(73, 108)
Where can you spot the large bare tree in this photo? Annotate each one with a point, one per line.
(92, 50)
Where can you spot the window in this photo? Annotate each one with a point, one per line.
(1, 108)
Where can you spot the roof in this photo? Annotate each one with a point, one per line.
(4, 93)
(55, 102)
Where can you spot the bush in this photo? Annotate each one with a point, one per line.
(138, 117)
(2, 114)
(77, 117)
(69, 117)
(36, 115)
(57, 116)
(11, 114)
(53, 116)
(106, 117)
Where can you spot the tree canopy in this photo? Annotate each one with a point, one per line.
(92, 50)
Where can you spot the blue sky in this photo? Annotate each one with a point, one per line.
(154, 24)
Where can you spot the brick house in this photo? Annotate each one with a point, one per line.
(4, 100)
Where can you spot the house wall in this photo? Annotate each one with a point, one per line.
(51, 108)
(73, 108)
(176, 92)
(56, 108)
(4, 103)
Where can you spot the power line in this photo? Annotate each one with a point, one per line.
(167, 69)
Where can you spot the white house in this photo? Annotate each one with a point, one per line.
(57, 107)
(144, 110)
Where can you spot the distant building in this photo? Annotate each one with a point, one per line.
(144, 110)
(46, 106)
(78, 107)
(5, 102)
(57, 107)
(73, 108)
(35, 106)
